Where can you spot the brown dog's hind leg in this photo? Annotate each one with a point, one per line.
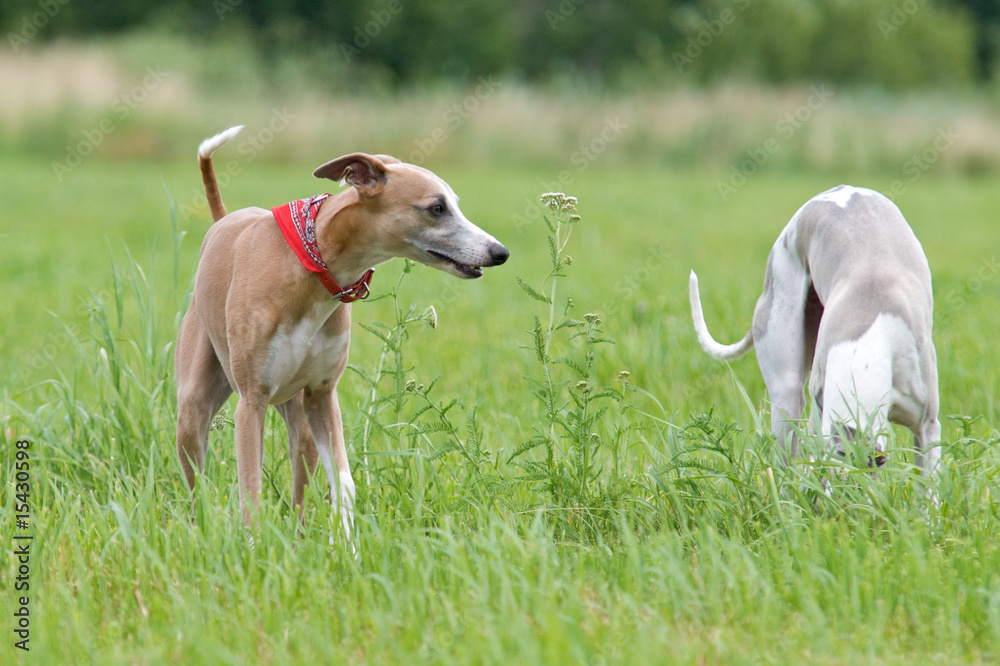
(202, 388)
(301, 447)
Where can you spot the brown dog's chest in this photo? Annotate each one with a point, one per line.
(305, 353)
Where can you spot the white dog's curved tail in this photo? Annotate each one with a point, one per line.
(205, 150)
(708, 343)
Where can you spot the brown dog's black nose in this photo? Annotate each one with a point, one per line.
(499, 254)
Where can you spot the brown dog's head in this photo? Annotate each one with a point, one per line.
(420, 212)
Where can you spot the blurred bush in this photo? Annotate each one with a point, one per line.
(891, 43)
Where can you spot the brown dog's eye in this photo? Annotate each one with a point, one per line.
(437, 210)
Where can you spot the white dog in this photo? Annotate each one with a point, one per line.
(847, 297)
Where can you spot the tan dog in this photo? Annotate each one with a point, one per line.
(262, 325)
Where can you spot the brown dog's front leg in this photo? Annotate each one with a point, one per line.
(323, 414)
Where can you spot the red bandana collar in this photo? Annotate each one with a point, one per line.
(297, 221)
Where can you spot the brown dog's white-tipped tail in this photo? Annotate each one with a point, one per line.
(708, 343)
(205, 150)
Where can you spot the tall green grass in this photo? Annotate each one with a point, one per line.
(574, 516)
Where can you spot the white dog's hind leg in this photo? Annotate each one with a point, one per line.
(784, 339)
(928, 459)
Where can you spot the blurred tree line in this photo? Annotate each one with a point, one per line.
(891, 43)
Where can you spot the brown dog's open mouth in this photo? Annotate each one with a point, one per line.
(465, 269)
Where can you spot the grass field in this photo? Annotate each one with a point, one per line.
(652, 523)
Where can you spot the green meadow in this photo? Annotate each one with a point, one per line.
(520, 498)
(552, 472)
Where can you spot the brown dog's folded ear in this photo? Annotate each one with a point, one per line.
(365, 173)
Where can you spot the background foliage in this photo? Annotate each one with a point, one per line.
(893, 43)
